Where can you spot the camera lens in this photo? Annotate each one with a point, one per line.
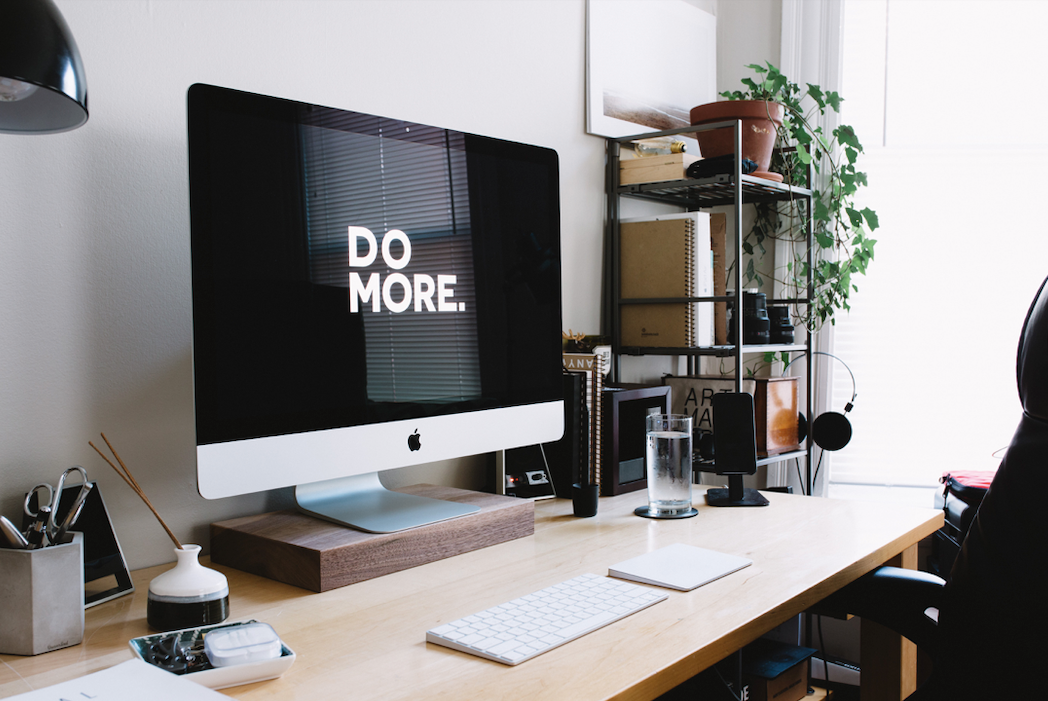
(756, 327)
(781, 328)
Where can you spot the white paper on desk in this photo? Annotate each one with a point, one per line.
(133, 680)
(679, 566)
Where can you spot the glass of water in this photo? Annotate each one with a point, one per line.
(667, 459)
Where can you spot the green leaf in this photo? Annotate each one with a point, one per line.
(816, 94)
(778, 84)
(867, 248)
(848, 186)
(803, 155)
(834, 101)
(846, 135)
(871, 218)
(854, 216)
(822, 212)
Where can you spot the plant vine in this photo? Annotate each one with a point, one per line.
(841, 231)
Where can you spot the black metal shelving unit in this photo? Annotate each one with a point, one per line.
(733, 189)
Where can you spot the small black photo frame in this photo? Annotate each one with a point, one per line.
(624, 410)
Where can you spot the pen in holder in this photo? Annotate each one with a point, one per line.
(188, 596)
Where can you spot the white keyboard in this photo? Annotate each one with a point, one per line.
(523, 628)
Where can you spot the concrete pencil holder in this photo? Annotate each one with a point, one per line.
(43, 595)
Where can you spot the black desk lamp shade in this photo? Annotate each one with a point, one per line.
(42, 85)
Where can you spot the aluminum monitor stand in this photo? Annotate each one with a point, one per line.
(362, 502)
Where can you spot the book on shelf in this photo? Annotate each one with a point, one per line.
(567, 455)
(662, 257)
(718, 246)
(591, 366)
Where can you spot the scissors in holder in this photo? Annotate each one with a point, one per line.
(37, 533)
(45, 524)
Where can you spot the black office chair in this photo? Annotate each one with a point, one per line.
(992, 630)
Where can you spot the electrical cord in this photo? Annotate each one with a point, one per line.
(728, 686)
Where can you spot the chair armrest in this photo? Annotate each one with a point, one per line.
(895, 598)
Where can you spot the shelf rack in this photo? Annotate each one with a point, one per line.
(732, 189)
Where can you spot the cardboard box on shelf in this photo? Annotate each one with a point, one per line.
(651, 169)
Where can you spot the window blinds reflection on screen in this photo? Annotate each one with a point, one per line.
(412, 179)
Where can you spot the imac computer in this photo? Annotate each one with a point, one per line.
(368, 294)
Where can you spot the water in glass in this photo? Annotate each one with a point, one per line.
(669, 467)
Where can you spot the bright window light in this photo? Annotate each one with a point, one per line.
(945, 98)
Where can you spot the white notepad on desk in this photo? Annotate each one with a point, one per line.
(679, 566)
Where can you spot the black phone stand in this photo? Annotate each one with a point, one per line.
(735, 449)
(735, 495)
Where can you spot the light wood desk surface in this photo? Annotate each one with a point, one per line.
(367, 640)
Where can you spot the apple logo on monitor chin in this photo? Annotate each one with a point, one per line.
(414, 441)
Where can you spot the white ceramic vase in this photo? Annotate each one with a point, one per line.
(187, 596)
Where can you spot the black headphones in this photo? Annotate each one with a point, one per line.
(830, 430)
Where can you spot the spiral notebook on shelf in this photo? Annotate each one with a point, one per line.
(666, 256)
(679, 566)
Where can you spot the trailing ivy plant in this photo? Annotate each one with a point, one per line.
(841, 231)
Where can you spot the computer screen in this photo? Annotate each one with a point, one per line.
(368, 293)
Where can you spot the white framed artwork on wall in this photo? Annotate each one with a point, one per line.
(648, 62)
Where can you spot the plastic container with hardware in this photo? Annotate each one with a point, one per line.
(185, 652)
(256, 642)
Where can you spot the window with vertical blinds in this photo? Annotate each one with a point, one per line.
(386, 175)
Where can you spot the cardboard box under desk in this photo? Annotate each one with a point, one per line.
(298, 549)
(651, 169)
(775, 671)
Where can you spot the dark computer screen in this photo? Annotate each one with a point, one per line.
(351, 269)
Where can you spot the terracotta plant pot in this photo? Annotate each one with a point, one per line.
(760, 120)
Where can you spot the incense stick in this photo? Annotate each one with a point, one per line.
(131, 482)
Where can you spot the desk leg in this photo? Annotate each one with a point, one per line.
(888, 660)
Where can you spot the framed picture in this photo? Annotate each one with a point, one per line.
(106, 575)
(648, 62)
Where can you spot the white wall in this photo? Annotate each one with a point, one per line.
(95, 324)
